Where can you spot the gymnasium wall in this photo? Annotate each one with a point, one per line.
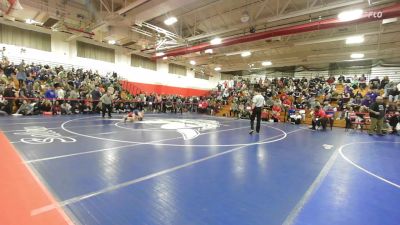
(136, 88)
(65, 53)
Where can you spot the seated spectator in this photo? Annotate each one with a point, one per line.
(374, 83)
(234, 109)
(389, 87)
(394, 94)
(318, 118)
(366, 101)
(264, 115)
(203, 105)
(372, 95)
(66, 108)
(56, 109)
(276, 112)
(341, 79)
(331, 80)
(354, 83)
(296, 118)
(393, 117)
(363, 82)
(25, 109)
(384, 82)
(46, 106)
(50, 93)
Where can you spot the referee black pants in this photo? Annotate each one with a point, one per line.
(109, 109)
(256, 113)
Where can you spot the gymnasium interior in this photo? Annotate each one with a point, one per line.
(199, 112)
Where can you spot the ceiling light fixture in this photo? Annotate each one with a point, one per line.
(208, 51)
(245, 17)
(29, 21)
(357, 55)
(216, 41)
(192, 62)
(266, 63)
(246, 54)
(217, 68)
(350, 15)
(112, 42)
(170, 21)
(165, 58)
(158, 54)
(355, 39)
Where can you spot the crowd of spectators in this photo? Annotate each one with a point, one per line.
(289, 99)
(29, 89)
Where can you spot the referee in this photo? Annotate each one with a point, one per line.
(258, 103)
(106, 101)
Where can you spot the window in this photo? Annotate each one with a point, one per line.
(201, 75)
(143, 62)
(225, 76)
(177, 69)
(96, 52)
(25, 38)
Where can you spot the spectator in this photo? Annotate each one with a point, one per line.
(394, 94)
(377, 114)
(319, 118)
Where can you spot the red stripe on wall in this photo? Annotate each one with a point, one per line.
(135, 87)
(21, 192)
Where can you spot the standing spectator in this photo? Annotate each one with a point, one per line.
(96, 95)
(9, 95)
(106, 101)
(377, 113)
(3, 53)
(9, 69)
(21, 74)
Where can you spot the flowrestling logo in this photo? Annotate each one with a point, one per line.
(42, 135)
(189, 129)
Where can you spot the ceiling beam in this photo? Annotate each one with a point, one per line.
(155, 8)
(285, 7)
(105, 5)
(261, 9)
(131, 6)
(313, 4)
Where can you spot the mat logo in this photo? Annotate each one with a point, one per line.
(189, 129)
(42, 135)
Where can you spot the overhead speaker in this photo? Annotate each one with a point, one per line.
(50, 22)
(129, 43)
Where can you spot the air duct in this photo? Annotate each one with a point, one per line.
(374, 15)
